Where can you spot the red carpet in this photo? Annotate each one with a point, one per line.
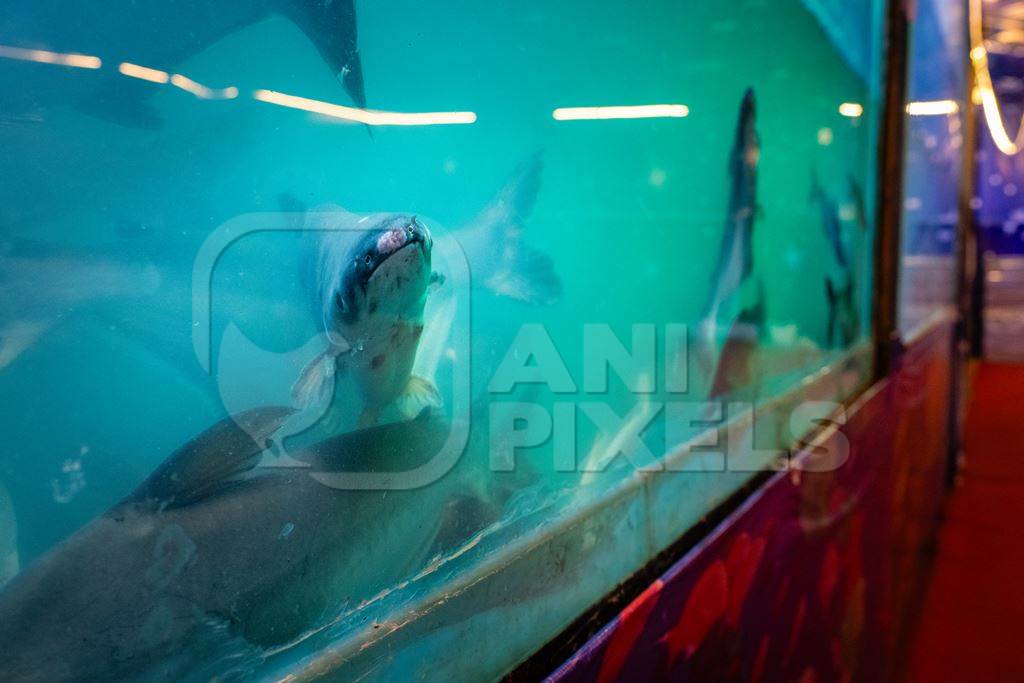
(972, 622)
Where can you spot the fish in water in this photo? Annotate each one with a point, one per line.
(859, 204)
(735, 256)
(843, 319)
(159, 35)
(829, 219)
(371, 297)
(736, 303)
(501, 261)
(372, 276)
(737, 362)
(213, 551)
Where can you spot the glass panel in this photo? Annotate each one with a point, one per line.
(934, 161)
(333, 348)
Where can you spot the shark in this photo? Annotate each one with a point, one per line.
(214, 548)
(157, 35)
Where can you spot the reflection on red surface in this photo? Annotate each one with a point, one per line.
(630, 625)
(705, 606)
(784, 590)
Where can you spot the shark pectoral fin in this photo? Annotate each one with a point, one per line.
(214, 458)
(419, 394)
(316, 381)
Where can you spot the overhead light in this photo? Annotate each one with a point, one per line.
(201, 91)
(368, 116)
(984, 92)
(143, 73)
(935, 108)
(851, 109)
(47, 57)
(643, 111)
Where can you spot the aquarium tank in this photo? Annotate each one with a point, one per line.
(382, 339)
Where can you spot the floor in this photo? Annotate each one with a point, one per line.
(972, 622)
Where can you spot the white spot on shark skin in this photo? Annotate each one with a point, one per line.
(286, 530)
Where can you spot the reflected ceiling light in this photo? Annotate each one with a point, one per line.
(984, 91)
(1011, 35)
(643, 111)
(936, 108)
(367, 116)
(143, 72)
(46, 57)
(201, 91)
(851, 109)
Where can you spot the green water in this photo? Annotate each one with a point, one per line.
(105, 222)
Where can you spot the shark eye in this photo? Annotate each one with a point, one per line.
(368, 260)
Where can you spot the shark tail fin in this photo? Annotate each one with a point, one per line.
(527, 275)
(331, 27)
(523, 273)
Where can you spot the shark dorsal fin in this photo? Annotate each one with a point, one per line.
(213, 459)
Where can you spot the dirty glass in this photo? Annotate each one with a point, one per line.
(383, 338)
(936, 87)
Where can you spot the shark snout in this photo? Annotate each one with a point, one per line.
(403, 234)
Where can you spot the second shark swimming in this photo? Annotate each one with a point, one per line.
(160, 35)
(735, 314)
